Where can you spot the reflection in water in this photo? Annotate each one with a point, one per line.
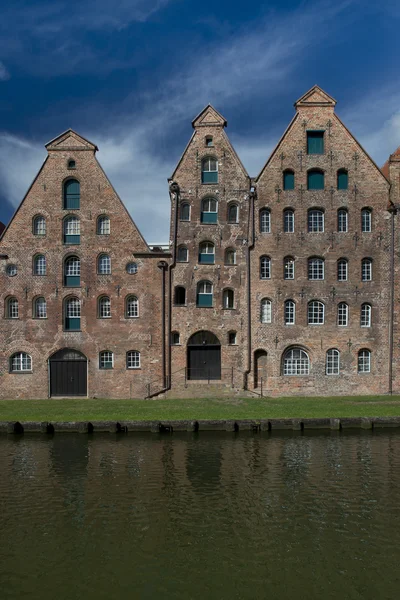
(193, 516)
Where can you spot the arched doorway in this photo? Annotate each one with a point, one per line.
(260, 367)
(204, 356)
(68, 373)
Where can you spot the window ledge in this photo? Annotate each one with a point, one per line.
(133, 368)
(20, 372)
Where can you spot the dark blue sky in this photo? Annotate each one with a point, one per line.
(131, 74)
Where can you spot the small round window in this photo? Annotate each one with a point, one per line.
(11, 270)
(131, 268)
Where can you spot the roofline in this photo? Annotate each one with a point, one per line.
(236, 154)
(71, 131)
(277, 146)
(182, 155)
(214, 109)
(334, 102)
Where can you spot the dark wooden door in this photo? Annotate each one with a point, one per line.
(204, 362)
(68, 378)
(260, 367)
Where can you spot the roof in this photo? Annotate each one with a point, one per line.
(2, 227)
(385, 168)
(209, 116)
(70, 140)
(315, 97)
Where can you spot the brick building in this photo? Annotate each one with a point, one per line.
(283, 284)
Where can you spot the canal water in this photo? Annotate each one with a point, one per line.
(200, 516)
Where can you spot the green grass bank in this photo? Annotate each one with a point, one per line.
(235, 408)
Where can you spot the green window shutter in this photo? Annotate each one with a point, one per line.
(72, 194)
(204, 300)
(72, 281)
(315, 180)
(72, 323)
(207, 259)
(72, 239)
(288, 180)
(315, 142)
(209, 177)
(342, 180)
(209, 217)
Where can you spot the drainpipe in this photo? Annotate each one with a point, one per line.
(175, 193)
(393, 211)
(250, 246)
(163, 266)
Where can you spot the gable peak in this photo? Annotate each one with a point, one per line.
(70, 140)
(315, 97)
(209, 116)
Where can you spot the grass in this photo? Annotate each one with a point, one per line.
(234, 408)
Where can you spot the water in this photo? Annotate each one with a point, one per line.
(200, 516)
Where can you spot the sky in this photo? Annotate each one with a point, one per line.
(130, 75)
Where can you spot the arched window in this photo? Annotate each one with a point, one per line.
(315, 220)
(133, 359)
(204, 294)
(175, 338)
(342, 220)
(265, 220)
(11, 270)
(288, 220)
(19, 362)
(228, 299)
(39, 265)
(207, 253)
(315, 142)
(209, 170)
(315, 180)
(265, 267)
(209, 141)
(342, 269)
(184, 212)
(132, 307)
(343, 314)
(233, 213)
(132, 268)
(104, 264)
(209, 210)
(290, 312)
(232, 338)
(39, 225)
(103, 225)
(342, 179)
(72, 272)
(72, 230)
(366, 220)
(71, 164)
(40, 308)
(296, 362)
(366, 269)
(104, 307)
(365, 315)
(230, 256)
(72, 194)
(364, 361)
(12, 308)
(180, 296)
(266, 311)
(315, 313)
(288, 267)
(72, 314)
(106, 360)
(288, 179)
(316, 269)
(332, 365)
(183, 254)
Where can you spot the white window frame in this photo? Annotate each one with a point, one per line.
(106, 357)
(316, 220)
(132, 307)
(266, 311)
(343, 220)
(315, 312)
(332, 362)
(316, 269)
(343, 314)
(103, 225)
(40, 308)
(265, 267)
(366, 220)
(366, 269)
(288, 267)
(290, 312)
(20, 362)
(39, 225)
(104, 307)
(364, 361)
(12, 308)
(265, 220)
(39, 265)
(296, 362)
(133, 359)
(365, 315)
(104, 264)
(288, 220)
(342, 269)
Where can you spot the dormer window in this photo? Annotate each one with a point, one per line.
(209, 141)
(71, 164)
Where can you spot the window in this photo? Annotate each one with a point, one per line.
(288, 220)
(288, 267)
(265, 220)
(72, 314)
(342, 269)
(131, 268)
(209, 170)
(230, 256)
(209, 141)
(175, 338)
(228, 299)
(342, 179)
(316, 312)
(288, 180)
(103, 225)
(232, 338)
(184, 213)
(180, 296)
(233, 213)
(316, 269)
(266, 311)
(207, 253)
(342, 220)
(106, 360)
(332, 365)
(104, 307)
(183, 254)
(366, 269)
(20, 362)
(204, 294)
(315, 142)
(71, 164)
(365, 315)
(209, 210)
(315, 180)
(290, 312)
(40, 308)
(72, 194)
(366, 220)
(12, 311)
(104, 264)
(11, 270)
(265, 267)
(133, 359)
(39, 265)
(72, 230)
(39, 225)
(364, 361)
(132, 307)
(315, 220)
(296, 362)
(72, 272)
(343, 314)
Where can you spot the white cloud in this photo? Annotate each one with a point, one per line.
(4, 74)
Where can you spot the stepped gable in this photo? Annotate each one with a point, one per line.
(395, 157)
